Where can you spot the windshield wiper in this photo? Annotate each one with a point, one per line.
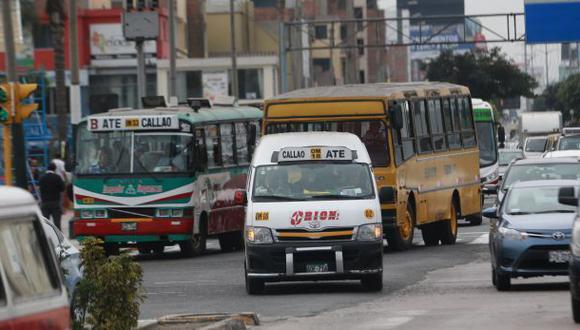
(332, 196)
(555, 211)
(280, 197)
(519, 213)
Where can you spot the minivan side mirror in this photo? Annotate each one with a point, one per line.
(490, 212)
(567, 196)
(501, 134)
(387, 195)
(396, 116)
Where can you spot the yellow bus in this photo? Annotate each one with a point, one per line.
(422, 142)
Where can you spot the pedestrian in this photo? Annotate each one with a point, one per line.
(51, 188)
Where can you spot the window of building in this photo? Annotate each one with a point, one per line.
(321, 32)
(212, 143)
(466, 117)
(358, 14)
(421, 129)
(227, 141)
(361, 76)
(451, 119)
(250, 84)
(343, 31)
(341, 4)
(323, 64)
(42, 36)
(360, 43)
(242, 139)
(436, 124)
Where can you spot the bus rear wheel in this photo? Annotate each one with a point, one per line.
(449, 227)
(402, 237)
(430, 233)
(196, 245)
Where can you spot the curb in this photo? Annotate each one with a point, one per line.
(214, 321)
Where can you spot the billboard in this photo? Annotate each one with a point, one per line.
(552, 21)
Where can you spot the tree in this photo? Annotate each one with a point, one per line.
(56, 15)
(488, 74)
(568, 95)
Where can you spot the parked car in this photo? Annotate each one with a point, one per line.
(569, 196)
(536, 169)
(32, 292)
(506, 156)
(68, 255)
(530, 232)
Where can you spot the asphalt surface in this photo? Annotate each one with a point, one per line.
(215, 282)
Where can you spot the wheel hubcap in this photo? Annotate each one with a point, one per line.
(453, 220)
(405, 227)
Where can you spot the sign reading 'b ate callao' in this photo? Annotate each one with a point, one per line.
(133, 123)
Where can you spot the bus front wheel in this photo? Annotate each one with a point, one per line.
(449, 232)
(195, 245)
(402, 237)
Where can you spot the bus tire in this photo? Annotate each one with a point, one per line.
(501, 282)
(372, 282)
(197, 244)
(402, 237)
(449, 227)
(111, 249)
(475, 220)
(430, 234)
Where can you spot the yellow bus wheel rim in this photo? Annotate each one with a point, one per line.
(406, 227)
(453, 220)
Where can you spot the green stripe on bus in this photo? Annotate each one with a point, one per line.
(482, 115)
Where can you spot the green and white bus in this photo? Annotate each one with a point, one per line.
(487, 137)
(170, 175)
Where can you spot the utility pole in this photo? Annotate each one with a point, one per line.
(282, 47)
(546, 51)
(75, 89)
(141, 89)
(172, 49)
(235, 90)
(352, 52)
(18, 148)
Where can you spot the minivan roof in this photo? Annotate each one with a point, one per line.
(14, 198)
(556, 160)
(274, 142)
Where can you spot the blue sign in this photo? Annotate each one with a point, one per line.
(552, 21)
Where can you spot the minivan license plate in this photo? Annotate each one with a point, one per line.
(317, 268)
(559, 256)
(129, 226)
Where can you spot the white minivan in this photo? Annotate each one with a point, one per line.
(313, 211)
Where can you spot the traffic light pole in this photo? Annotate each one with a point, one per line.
(19, 151)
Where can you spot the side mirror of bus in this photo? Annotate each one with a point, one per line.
(501, 134)
(396, 116)
(387, 195)
(567, 196)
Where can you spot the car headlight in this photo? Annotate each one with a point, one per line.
(509, 233)
(259, 235)
(87, 214)
(575, 244)
(163, 213)
(177, 213)
(370, 232)
(100, 214)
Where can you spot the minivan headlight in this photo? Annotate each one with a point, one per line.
(370, 232)
(509, 233)
(259, 235)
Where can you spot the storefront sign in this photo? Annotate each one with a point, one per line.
(107, 42)
(215, 84)
(96, 124)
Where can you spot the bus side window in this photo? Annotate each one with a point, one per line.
(227, 142)
(242, 138)
(451, 123)
(421, 130)
(212, 142)
(404, 138)
(200, 157)
(467, 128)
(436, 124)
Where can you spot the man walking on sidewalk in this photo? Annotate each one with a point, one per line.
(51, 187)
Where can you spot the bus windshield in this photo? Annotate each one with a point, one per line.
(122, 152)
(487, 143)
(536, 144)
(318, 180)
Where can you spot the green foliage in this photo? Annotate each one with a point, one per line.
(110, 293)
(488, 74)
(568, 93)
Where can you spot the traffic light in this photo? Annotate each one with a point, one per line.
(24, 109)
(5, 105)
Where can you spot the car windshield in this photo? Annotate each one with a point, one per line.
(307, 181)
(536, 145)
(122, 152)
(505, 157)
(532, 200)
(569, 143)
(487, 143)
(531, 172)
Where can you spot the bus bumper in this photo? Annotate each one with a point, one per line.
(290, 261)
(137, 230)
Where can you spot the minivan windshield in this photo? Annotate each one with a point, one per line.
(312, 181)
(529, 172)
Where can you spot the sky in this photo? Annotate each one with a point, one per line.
(513, 50)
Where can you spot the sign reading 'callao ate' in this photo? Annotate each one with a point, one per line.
(132, 123)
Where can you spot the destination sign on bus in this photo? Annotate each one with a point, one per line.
(314, 153)
(124, 123)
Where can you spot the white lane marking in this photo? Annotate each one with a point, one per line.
(483, 239)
